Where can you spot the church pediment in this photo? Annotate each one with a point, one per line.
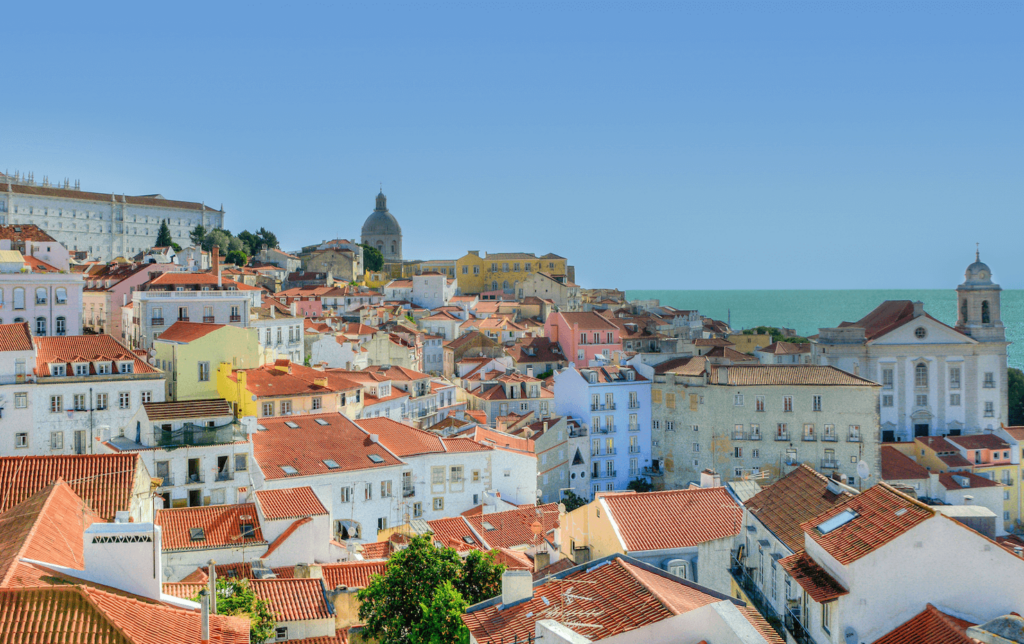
(933, 331)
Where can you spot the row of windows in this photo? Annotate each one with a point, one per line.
(921, 377)
(609, 447)
(80, 402)
(760, 402)
(596, 338)
(921, 400)
(60, 325)
(60, 296)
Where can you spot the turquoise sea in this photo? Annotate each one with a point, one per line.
(807, 311)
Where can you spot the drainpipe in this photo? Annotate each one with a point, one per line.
(90, 421)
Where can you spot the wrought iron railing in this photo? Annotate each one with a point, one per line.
(757, 597)
(190, 435)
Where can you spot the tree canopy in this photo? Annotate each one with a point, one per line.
(163, 236)
(640, 485)
(198, 235)
(571, 501)
(776, 334)
(424, 583)
(237, 257)
(255, 241)
(1015, 395)
(373, 260)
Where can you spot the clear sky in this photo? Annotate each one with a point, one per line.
(718, 145)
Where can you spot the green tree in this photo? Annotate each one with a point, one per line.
(571, 501)
(442, 618)
(198, 235)
(390, 606)
(266, 237)
(237, 257)
(219, 238)
(163, 236)
(251, 241)
(176, 246)
(640, 485)
(1015, 395)
(373, 260)
(236, 597)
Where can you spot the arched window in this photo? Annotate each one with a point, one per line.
(380, 246)
(985, 317)
(62, 326)
(19, 298)
(19, 320)
(921, 375)
(61, 296)
(40, 326)
(40, 295)
(963, 311)
(392, 248)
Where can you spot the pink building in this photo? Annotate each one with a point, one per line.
(308, 300)
(583, 336)
(107, 290)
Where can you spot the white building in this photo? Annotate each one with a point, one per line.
(35, 283)
(194, 258)
(104, 225)
(936, 379)
(431, 290)
(280, 335)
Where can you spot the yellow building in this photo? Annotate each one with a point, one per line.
(748, 343)
(286, 388)
(587, 533)
(504, 271)
(376, 279)
(189, 352)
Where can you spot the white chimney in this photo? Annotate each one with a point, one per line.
(516, 585)
(204, 618)
(112, 548)
(710, 478)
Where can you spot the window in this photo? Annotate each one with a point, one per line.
(437, 475)
(456, 474)
(954, 378)
(318, 403)
(826, 617)
(954, 400)
(81, 369)
(21, 400)
(787, 403)
(124, 367)
(990, 380)
(887, 400)
(438, 503)
(61, 296)
(204, 372)
(241, 463)
(40, 295)
(417, 510)
(79, 402)
(696, 447)
(385, 489)
(281, 633)
(737, 452)
(268, 409)
(40, 326)
(368, 492)
(816, 403)
(921, 375)
(286, 407)
(670, 425)
(920, 333)
(990, 410)
(21, 439)
(183, 313)
(781, 432)
(921, 400)
(887, 378)
(755, 453)
(19, 299)
(985, 316)
(123, 400)
(56, 404)
(346, 495)
(56, 440)
(758, 403)
(62, 326)
(737, 400)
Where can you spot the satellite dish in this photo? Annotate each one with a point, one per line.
(863, 470)
(849, 634)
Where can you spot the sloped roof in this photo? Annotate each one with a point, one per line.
(789, 374)
(897, 466)
(307, 446)
(888, 316)
(514, 527)
(290, 503)
(882, 514)
(299, 379)
(588, 320)
(402, 440)
(786, 348)
(979, 441)
(78, 348)
(188, 331)
(730, 354)
(221, 526)
(930, 626)
(815, 580)
(15, 337)
(691, 366)
(797, 497)
(951, 480)
(104, 481)
(293, 600)
(176, 409)
(25, 232)
(673, 518)
(351, 574)
(456, 532)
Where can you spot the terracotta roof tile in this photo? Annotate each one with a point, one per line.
(693, 366)
(897, 466)
(979, 441)
(182, 409)
(730, 354)
(514, 528)
(786, 348)
(588, 320)
(882, 514)
(401, 439)
(460, 444)
(75, 348)
(788, 374)
(24, 232)
(953, 480)
(15, 337)
(105, 482)
(674, 518)
(293, 600)
(268, 380)
(184, 589)
(307, 446)
(712, 342)
(187, 331)
(290, 503)
(351, 574)
(221, 524)
(930, 626)
(797, 497)
(819, 585)
(376, 550)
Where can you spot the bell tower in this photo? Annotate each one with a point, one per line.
(978, 308)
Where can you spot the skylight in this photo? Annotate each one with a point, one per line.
(197, 534)
(468, 539)
(331, 463)
(376, 458)
(289, 470)
(321, 421)
(261, 428)
(248, 530)
(837, 521)
(487, 526)
(291, 424)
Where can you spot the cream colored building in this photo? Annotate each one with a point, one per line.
(761, 422)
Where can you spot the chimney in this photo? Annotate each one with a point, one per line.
(216, 259)
(968, 500)
(545, 425)
(516, 586)
(541, 560)
(320, 382)
(834, 487)
(204, 629)
(710, 478)
(374, 438)
(213, 584)
(918, 309)
(111, 548)
(309, 571)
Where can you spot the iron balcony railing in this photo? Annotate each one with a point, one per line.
(156, 322)
(830, 438)
(190, 435)
(809, 437)
(225, 476)
(745, 580)
(604, 474)
(652, 471)
(604, 407)
(738, 435)
(577, 433)
(782, 436)
(754, 436)
(193, 478)
(634, 428)
(853, 437)
(168, 481)
(236, 318)
(408, 491)
(208, 319)
(795, 626)
(829, 464)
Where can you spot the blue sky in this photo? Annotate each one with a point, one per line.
(719, 145)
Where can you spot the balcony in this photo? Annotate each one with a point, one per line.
(408, 492)
(168, 481)
(193, 435)
(208, 319)
(225, 476)
(754, 436)
(182, 318)
(156, 322)
(634, 405)
(795, 627)
(610, 407)
(829, 464)
(634, 428)
(609, 451)
(194, 478)
(744, 577)
(738, 435)
(605, 475)
(578, 433)
(634, 449)
(829, 438)
(853, 438)
(652, 471)
(782, 436)
(1006, 480)
(809, 437)
(235, 318)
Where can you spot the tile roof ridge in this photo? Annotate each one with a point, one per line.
(657, 595)
(48, 493)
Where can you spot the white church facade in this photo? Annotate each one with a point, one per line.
(936, 380)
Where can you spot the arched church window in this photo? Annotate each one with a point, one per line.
(392, 248)
(985, 317)
(963, 311)
(921, 375)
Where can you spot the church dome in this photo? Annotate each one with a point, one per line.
(380, 221)
(978, 272)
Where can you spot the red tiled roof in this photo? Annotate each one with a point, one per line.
(290, 503)
(184, 589)
(950, 482)
(888, 316)
(15, 337)
(674, 518)
(514, 559)
(187, 331)
(308, 445)
(455, 532)
(930, 626)
(620, 597)
(376, 550)
(182, 409)
(47, 526)
(979, 441)
(351, 574)
(820, 586)
(488, 436)
(79, 614)
(293, 600)
(401, 439)
(221, 524)
(478, 415)
(460, 444)
(788, 374)
(797, 497)
(105, 482)
(786, 348)
(25, 232)
(692, 366)
(267, 381)
(83, 348)
(239, 570)
(588, 320)
(712, 342)
(729, 354)
(897, 466)
(515, 527)
(882, 515)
